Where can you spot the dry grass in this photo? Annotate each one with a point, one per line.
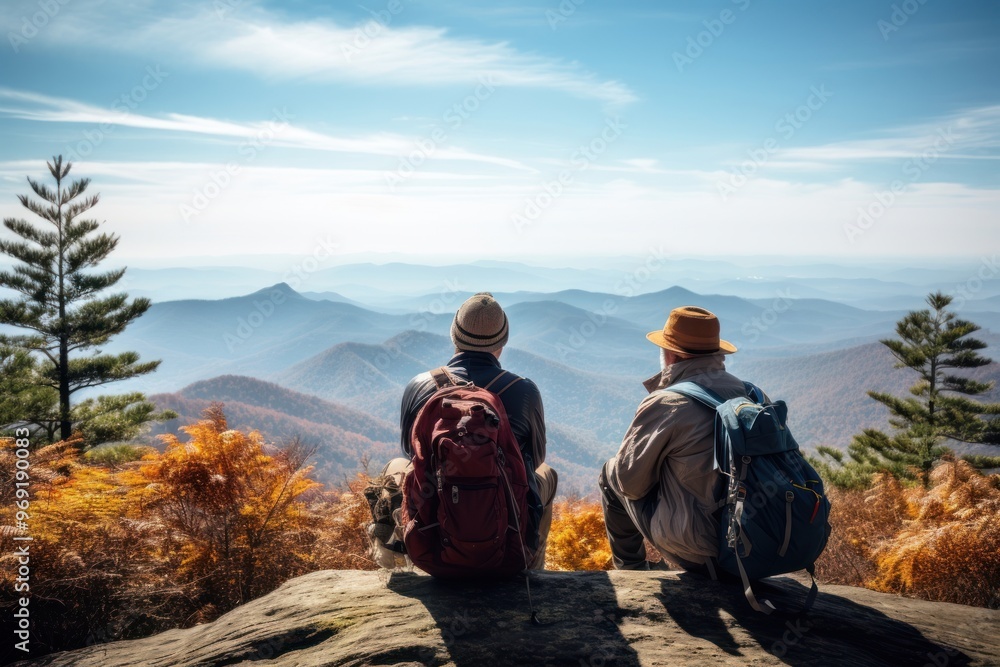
(941, 543)
(124, 550)
(103, 558)
(343, 543)
(862, 520)
(949, 549)
(577, 540)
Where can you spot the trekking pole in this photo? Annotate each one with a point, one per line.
(531, 606)
(527, 576)
(520, 538)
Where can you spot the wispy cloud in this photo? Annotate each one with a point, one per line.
(371, 53)
(970, 134)
(637, 166)
(31, 106)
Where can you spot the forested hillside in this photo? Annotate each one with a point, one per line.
(826, 392)
(342, 436)
(264, 333)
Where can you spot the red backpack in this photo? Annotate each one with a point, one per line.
(465, 501)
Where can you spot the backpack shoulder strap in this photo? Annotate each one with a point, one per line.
(494, 380)
(508, 385)
(443, 377)
(505, 387)
(711, 400)
(695, 391)
(754, 392)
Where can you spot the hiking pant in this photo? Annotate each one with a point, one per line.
(627, 523)
(547, 479)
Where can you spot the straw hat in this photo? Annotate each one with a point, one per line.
(693, 331)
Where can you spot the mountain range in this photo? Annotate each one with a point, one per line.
(263, 333)
(401, 286)
(332, 372)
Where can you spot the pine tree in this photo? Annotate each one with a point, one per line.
(60, 301)
(17, 392)
(934, 343)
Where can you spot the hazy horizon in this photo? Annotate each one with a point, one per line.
(860, 129)
(583, 261)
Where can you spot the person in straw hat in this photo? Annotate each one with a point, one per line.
(662, 484)
(480, 331)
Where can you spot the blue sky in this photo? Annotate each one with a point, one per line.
(849, 129)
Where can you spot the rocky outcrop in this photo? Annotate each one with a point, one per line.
(586, 619)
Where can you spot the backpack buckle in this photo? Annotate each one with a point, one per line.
(741, 493)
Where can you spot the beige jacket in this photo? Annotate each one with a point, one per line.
(669, 447)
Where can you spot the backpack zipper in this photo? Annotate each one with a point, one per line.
(789, 499)
(468, 487)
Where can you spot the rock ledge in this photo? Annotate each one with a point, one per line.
(588, 619)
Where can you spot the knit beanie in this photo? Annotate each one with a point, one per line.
(480, 324)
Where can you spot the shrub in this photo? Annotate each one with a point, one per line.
(577, 539)
(941, 543)
(949, 549)
(94, 576)
(343, 543)
(232, 509)
(116, 454)
(861, 520)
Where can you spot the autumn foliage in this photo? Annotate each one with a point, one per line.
(940, 543)
(577, 540)
(342, 534)
(90, 551)
(233, 514)
(130, 542)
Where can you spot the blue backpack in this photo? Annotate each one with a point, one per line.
(774, 517)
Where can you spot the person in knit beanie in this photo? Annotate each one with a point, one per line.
(479, 332)
(480, 325)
